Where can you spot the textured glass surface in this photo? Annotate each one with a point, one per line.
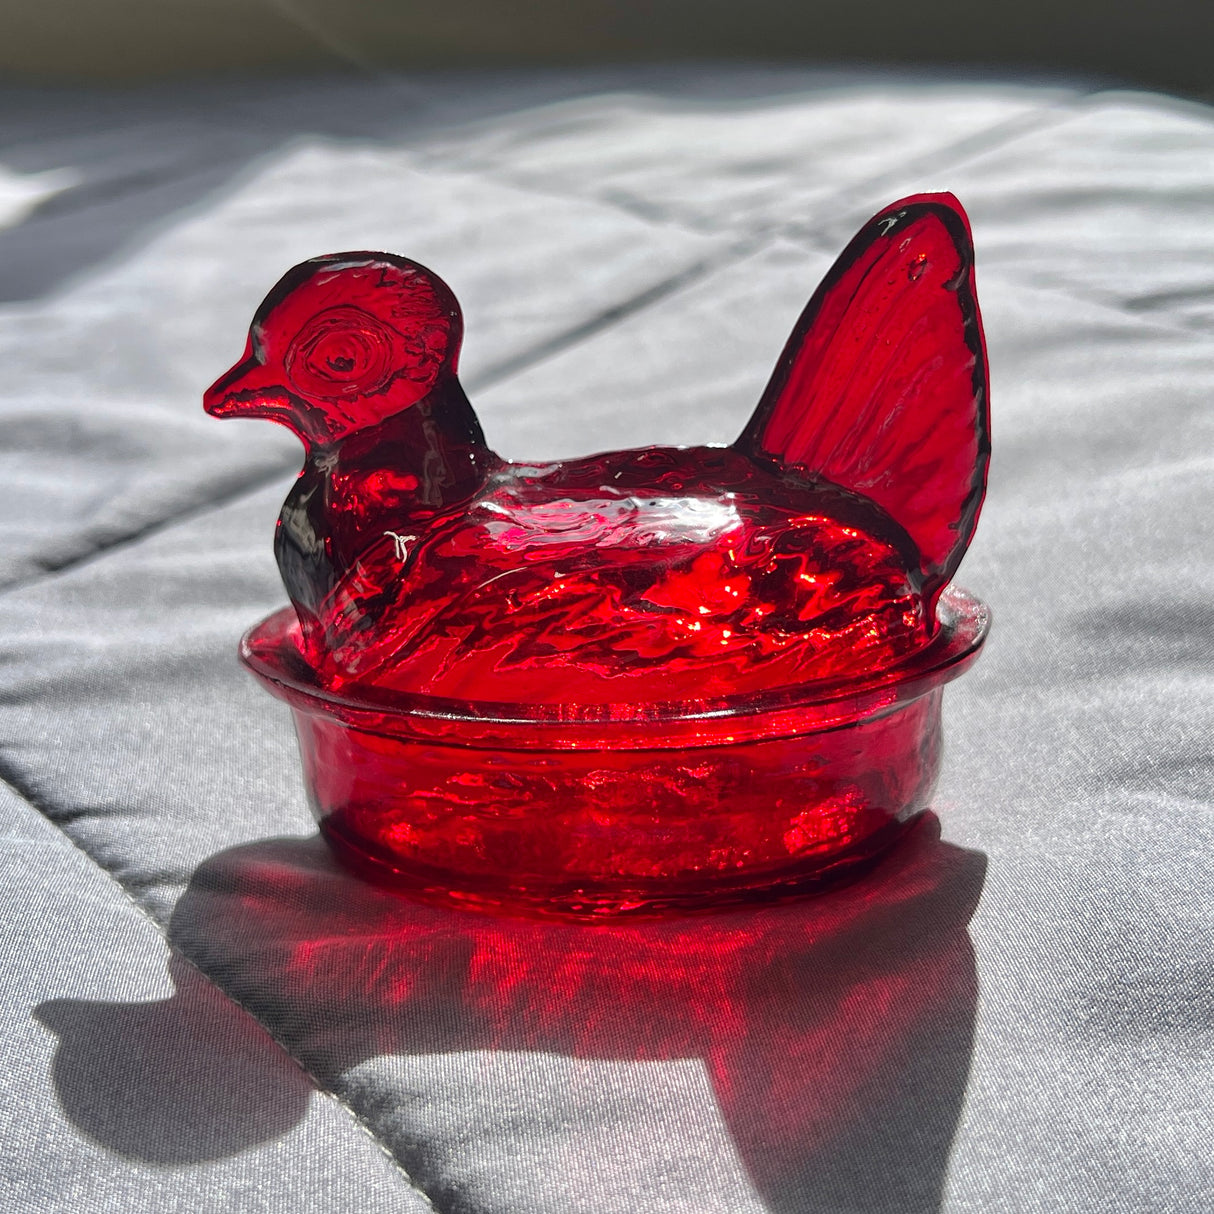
(700, 618)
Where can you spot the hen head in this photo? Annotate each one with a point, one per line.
(341, 343)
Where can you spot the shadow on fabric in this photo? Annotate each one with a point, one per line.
(141, 159)
(837, 1032)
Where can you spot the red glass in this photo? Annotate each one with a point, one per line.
(646, 678)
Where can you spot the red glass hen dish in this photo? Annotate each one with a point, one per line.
(643, 679)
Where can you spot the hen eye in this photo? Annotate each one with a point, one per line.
(341, 352)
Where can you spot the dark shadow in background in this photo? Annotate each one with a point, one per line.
(1164, 44)
(148, 153)
(837, 1031)
(142, 158)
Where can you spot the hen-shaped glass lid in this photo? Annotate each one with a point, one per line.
(813, 550)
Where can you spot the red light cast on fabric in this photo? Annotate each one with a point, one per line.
(646, 679)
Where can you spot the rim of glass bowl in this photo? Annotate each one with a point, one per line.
(270, 650)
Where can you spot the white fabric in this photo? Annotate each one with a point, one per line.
(1015, 1019)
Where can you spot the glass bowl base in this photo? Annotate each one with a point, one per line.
(605, 810)
(613, 900)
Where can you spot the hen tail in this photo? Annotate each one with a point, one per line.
(882, 388)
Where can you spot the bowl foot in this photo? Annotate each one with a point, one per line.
(603, 898)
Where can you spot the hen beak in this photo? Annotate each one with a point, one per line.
(249, 389)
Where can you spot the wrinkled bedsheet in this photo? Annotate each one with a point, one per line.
(202, 1012)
